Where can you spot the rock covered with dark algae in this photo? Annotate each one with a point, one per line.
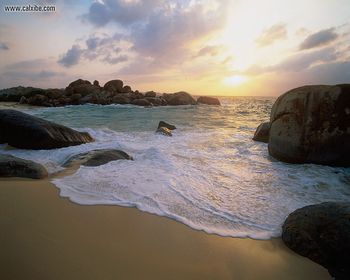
(321, 233)
(311, 124)
(24, 131)
(11, 166)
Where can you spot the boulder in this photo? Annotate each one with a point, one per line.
(24, 131)
(120, 99)
(126, 89)
(136, 95)
(11, 166)
(321, 233)
(54, 93)
(262, 132)
(14, 94)
(38, 100)
(82, 87)
(180, 98)
(23, 100)
(141, 102)
(150, 94)
(97, 157)
(164, 131)
(167, 125)
(311, 124)
(156, 101)
(96, 83)
(208, 100)
(114, 86)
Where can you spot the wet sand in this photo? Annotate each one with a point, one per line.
(44, 236)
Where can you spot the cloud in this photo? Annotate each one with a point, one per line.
(319, 38)
(116, 60)
(119, 11)
(296, 63)
(272, 34)
(33, 75)
(4, 47)
(71, 57)
(208, 50)
(330, 73)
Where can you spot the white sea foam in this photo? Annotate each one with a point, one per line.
(210, 175)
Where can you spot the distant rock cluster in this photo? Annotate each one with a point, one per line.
(113, 92)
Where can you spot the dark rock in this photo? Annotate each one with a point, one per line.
(180, 98)
(14, 94)
(321, 232)
(167, 125)
(141, 102)
(262, 132)
(97, 157)
(11, 166)
(136, 95)
(164, 131)
(82, 87)
(96, 83)
(114, 86)
(24, 131)
(126, 89)
(311, 124)
(150, 94)
(54, 93)
(208, 100)
(23, 100)
(38, 100)
(155, 101)
(119, 99)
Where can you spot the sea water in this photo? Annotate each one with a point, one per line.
(210, 175)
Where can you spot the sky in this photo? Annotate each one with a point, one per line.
(211, 47)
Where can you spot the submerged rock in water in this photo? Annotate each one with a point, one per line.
(165, 131)
(11, 166)
(311, 124)
(262, 132)
(24, 131)
(208, 100)
(167, 125)
(97, 157)
(321, 232)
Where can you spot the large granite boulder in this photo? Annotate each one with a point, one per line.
(11, 166)
(115, 86)
(150, 94)
(82, 87)
(24, 131)
(97, 157)
(208, 100)
(262, 132)
(311, 124)
(179, 98)
(321, 232)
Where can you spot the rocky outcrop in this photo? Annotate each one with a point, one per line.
(262, 132)
(11, 166)
(167, 125)
(208, 100)
(164, 131)
(321, 232)
(83, 92)
(311, 124)
(24, 131)
(97, 157)
(115, 86)
(179, 98)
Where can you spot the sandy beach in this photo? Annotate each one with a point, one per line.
(44, 236)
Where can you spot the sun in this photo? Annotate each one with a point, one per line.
(235, 80)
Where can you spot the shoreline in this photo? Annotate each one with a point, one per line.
(45, 236)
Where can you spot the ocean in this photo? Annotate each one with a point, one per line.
(210, 175)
